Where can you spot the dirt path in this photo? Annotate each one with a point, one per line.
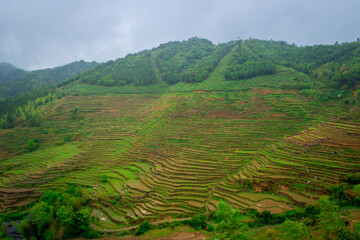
(182, 219)
(266, 227)
(136, 226)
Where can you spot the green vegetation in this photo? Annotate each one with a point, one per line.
(9, 72)
(57, 215)
(33, 144)
(145, 226)
(34, 79)
(230, 137)
(133, 69)
(245, 64)
(189, 61)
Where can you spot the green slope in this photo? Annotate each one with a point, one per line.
(142, 149)
(9, 72)
(28, 81)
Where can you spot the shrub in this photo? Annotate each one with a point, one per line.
(145, 226)
(295, 230)
(57, 214)
(33, 144)
(353, 178)
(104, 178)
(198, 222)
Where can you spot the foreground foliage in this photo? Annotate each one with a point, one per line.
(57, 216)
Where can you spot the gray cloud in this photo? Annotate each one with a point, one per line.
(40, 33)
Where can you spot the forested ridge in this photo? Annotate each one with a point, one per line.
(18, 81)
(193, 60)
(9, 72)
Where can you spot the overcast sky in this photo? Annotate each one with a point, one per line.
(36, 34)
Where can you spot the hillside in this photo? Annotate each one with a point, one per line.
(171, 132)
(9, 72)
(16, 81)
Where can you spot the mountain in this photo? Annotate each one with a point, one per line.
(194, 60)
(9, 72)
(20, 81)
(223, 137)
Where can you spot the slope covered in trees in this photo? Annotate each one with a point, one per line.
(31, 80)
(133, 69)
(189, 61)
(9, 72)
(194, 60)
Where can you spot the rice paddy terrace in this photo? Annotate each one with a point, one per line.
(154, 156)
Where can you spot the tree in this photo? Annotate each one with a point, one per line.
(223, 211)
(198, 222)
(145, 226)
(33, 144)
(228, 218)
(295, 230)
(357, 190)
(57, 214)
(41, 215)
(2, 229)
(330, 221)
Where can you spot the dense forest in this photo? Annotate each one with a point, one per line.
(133, 69)
(20, 81)
(193, 60)
(189, 61)
(246, 64)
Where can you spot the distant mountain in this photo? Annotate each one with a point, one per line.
(9, 72)
(16, 81)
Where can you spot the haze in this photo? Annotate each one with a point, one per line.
(39, 33)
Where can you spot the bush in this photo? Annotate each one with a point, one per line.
(353, 178)
(57, 214)
(295, 230)
(33, 144)
(104, 178)
(198, 222)
(2, 229)
(145, 226)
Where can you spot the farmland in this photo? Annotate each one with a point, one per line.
(177, 154)
(162, 151)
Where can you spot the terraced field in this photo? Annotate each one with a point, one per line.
(158, 156)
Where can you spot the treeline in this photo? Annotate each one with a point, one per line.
(31, 80)
(133, 69)
(189, 61)
(245, 64)
(344, 71)
(303, 59)
(58, 216)
(194, 59)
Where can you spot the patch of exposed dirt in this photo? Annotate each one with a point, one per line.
(172, 236)
(259, 186)
(276, 115)
(269, 91)
(241, 103)
(284, 187)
